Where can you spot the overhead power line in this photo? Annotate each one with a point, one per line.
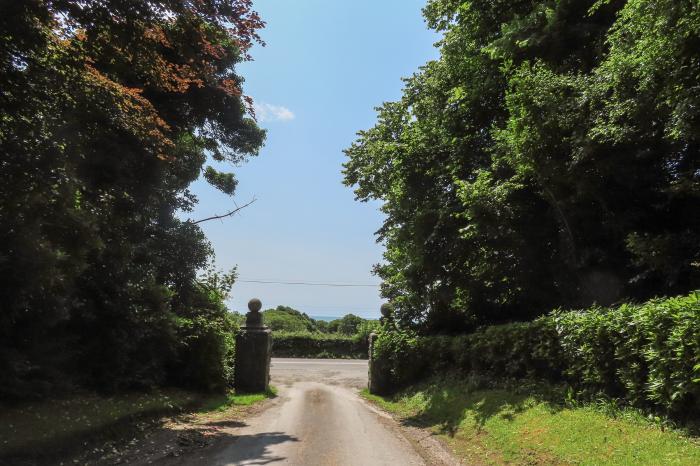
(274, 282)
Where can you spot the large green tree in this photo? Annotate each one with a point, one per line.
(548, 158)
(108, 110)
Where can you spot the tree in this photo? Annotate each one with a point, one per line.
(109, 110)
(287, 319)
(548, 158)
(347, 325)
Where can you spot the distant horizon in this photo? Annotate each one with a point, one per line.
(327, 317)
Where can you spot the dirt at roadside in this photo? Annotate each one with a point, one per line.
(171, 438)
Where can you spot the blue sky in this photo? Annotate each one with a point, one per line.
(325, 67)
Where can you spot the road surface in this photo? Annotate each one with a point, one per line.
(351, 373)
(318, 419)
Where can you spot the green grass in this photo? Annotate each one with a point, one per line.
(507, 426)
(58, 424)
(224, 402)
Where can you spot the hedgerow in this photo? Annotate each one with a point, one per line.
(645, 354)
(318, 345)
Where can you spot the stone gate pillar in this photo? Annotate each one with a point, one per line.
(253, 352)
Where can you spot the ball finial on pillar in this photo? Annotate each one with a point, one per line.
(386, 310)
(254, 318)
(254, 305)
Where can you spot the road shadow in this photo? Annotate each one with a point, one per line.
(254, 449)
(226, 423)
(205, 444)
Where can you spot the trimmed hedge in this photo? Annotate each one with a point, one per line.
(647, 355)
(318, 345)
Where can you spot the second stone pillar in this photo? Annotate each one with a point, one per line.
(253, 353)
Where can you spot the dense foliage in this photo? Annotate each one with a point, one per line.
(108, 110)
(549, 157)
(287, 319)
(647, 355)
(349, 324)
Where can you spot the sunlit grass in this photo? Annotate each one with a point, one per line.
(223, 402)
(498, 426)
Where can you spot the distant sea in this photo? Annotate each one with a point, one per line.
(329, 318)
(325, 318)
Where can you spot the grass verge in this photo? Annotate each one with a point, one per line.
(532, 425)
(61, 426)
(221, 403)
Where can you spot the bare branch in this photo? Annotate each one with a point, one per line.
(227, 214)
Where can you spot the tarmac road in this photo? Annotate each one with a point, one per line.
(351, 373)
(318, 419)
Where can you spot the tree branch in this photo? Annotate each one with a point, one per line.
(228, 214)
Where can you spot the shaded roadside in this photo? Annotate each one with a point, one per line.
(117, 430)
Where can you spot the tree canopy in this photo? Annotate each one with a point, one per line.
(349, 324)
(108, 111)
(287, 319)
(549, 157)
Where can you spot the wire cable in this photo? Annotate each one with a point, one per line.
(274, 282)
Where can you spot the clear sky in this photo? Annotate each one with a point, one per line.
(326, 65)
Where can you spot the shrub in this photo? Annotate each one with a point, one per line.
(206, 353)
(347, 325)
(647, 354)
(364, 330)
(317, 345)
(286, 319)
(396, 349)
(205, 335)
